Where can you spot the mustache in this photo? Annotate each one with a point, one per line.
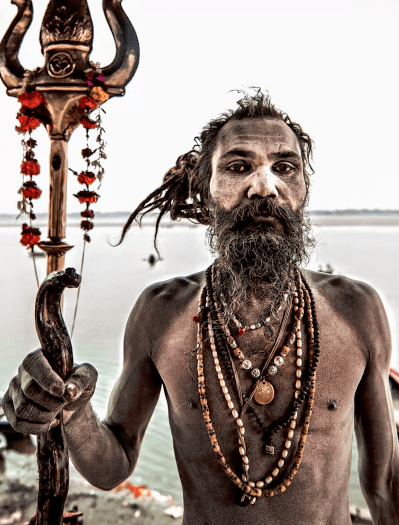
(257, 209)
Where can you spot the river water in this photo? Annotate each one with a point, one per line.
(113, 279)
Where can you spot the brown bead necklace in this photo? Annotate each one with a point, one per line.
(251, 490)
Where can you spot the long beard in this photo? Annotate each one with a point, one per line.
(256, 261)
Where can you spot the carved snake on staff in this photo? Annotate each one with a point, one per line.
(52, 453)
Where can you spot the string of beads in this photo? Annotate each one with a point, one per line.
(252, 490)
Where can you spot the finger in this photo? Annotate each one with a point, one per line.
(82, 380)
(36, 365)
(20, 425)
(32, 391)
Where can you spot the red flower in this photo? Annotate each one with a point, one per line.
(87, 214)
(87, 152)
(88, 123)
(86, 177)
(29, 236)
(30, 191)
(86, 225)
(30, 167)
(27, 123)
(87, 196)
(31, 99)
(87, 103)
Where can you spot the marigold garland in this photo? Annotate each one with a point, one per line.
(31, 114)
(32, 106)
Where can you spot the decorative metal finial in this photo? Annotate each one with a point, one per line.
(66, 39)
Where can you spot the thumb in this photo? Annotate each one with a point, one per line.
(81, 384)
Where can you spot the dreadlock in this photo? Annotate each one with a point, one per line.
(184, 192)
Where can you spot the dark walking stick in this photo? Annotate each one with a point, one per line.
(52, 453)
(66, 38)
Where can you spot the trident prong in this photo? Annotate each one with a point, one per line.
(66, 38)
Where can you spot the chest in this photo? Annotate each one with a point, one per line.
(339, 371)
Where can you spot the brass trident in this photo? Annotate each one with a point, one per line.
(66, 38)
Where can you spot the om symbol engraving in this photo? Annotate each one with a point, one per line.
(61, 65)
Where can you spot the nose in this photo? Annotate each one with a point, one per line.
(263, 184)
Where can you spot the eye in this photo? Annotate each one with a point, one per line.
(284, 168)
(238, 167)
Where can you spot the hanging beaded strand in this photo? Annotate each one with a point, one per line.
(251, 488)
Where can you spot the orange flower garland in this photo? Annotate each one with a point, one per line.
(31, 114)
(29, 117)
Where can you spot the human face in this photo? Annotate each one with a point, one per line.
(257, 158)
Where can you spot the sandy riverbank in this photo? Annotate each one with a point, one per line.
(127, 504)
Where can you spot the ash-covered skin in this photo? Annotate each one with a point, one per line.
(254, 159)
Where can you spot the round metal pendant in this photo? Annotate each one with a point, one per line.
(264, 392)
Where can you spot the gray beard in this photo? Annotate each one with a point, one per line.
(257, 263)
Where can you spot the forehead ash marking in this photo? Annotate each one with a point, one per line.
(257, 130)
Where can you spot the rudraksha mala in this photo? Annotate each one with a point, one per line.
(252, 490)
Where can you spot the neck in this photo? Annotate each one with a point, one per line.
(249, 298)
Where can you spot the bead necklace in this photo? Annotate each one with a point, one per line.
(263, 392)
(253, 490)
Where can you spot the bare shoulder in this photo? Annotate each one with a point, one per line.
(160, 304)
(344, 292)
(355, 304)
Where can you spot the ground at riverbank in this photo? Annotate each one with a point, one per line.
(127, 505)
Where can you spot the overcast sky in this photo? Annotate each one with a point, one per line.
(332, 66)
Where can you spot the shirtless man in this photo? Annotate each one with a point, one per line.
(263, 434)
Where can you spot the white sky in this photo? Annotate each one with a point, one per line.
(331, 65)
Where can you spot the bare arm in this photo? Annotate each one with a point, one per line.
(105, 453)
(374, 423)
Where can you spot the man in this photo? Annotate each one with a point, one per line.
(267, 369)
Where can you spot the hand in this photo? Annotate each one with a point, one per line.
(37, 394)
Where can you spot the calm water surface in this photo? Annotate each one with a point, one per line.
(113, 278)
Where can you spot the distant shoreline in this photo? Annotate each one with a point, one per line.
(317, 217)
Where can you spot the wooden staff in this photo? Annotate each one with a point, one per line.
(66, 38)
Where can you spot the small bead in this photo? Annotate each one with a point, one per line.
(230, 404)
(235, 414)
(272, 370)
(299, 352)
(246, 364)
(255, 373)
(245, 460)
(260, 484)
(290, 434)
(268, 480)
(284, 453)
(278, 360)
(299, 362)
(241, 331)
(287, 444)
(225, 389)
(252, 327)
(242, 431)
(268, 319)
(275, 472)
(239, 422)
(222, 382)
(299, 343)
(292, 424)
(251, 484)
(227, 397)
(242, 451)
(298, 384)
(281, 463)
(298, 373)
